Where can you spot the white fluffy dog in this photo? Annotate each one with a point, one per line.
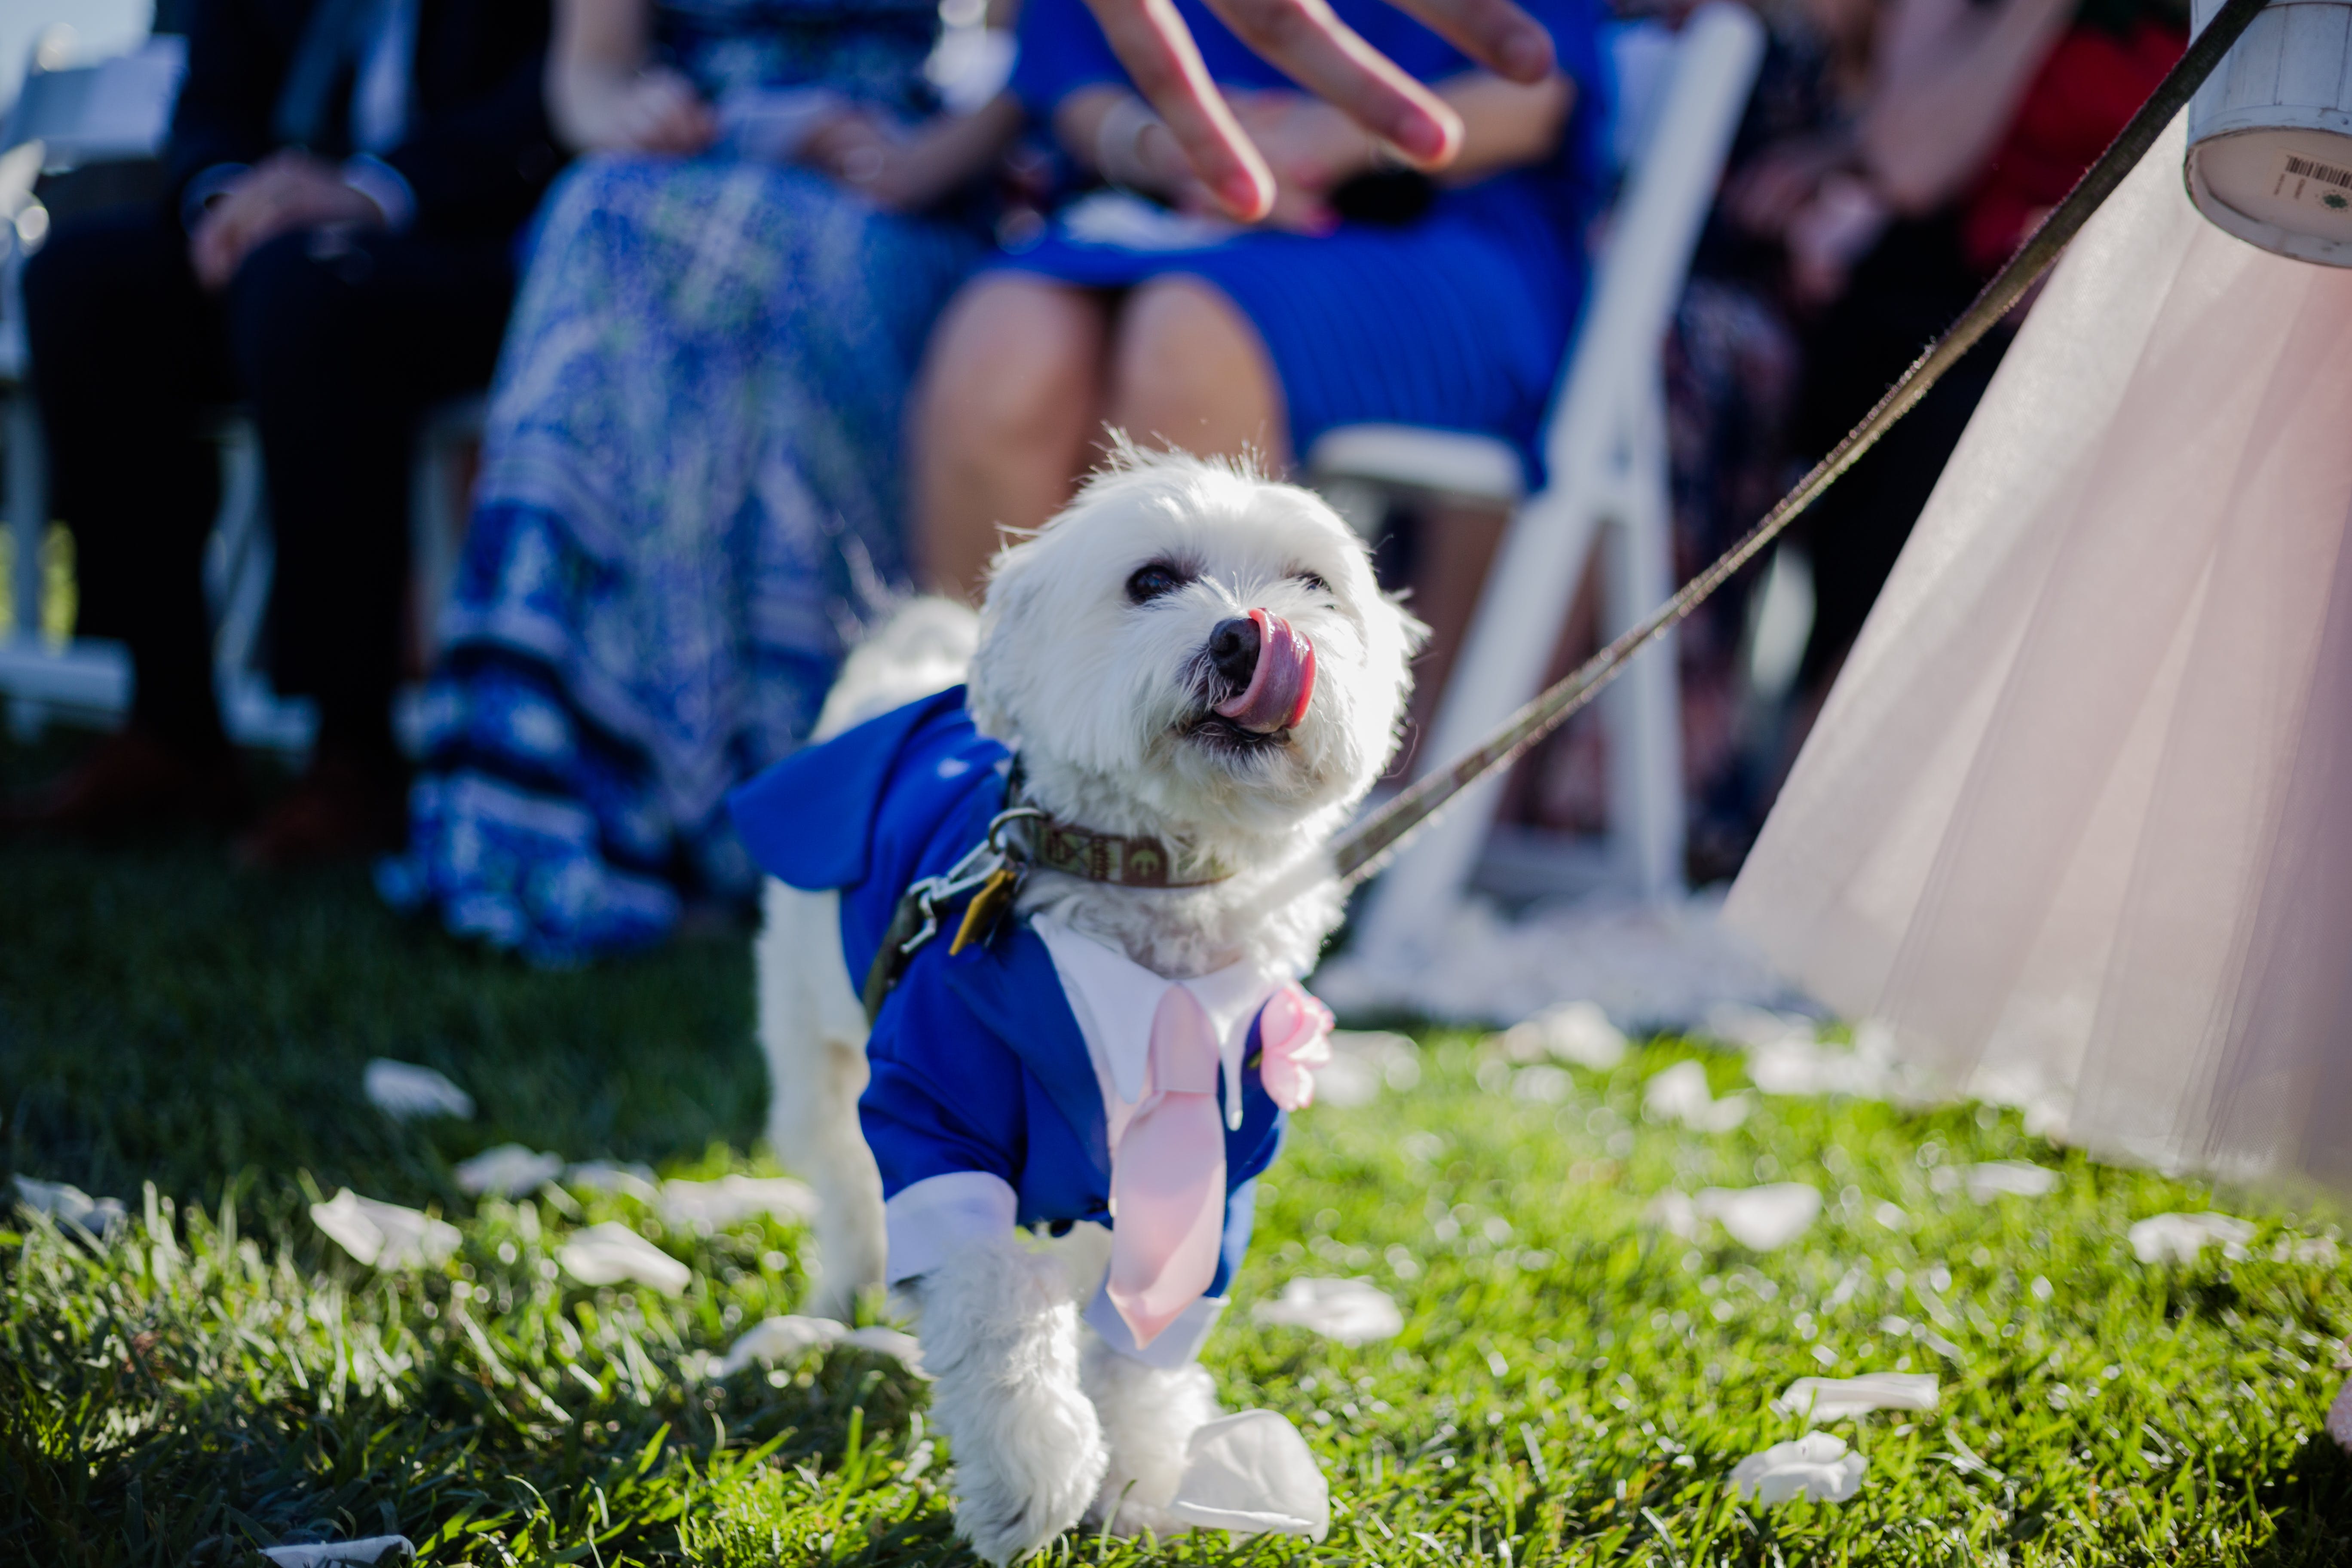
(1188, 653)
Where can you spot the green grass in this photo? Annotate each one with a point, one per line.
(1571, 1385)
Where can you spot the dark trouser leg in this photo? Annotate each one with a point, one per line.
(126, 352)
(341, 341)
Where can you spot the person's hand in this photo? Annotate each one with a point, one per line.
(1769, 190)
(658, 111)
(1324, 56)
(652, 111)
(873, 157)
(1829, 234)
(290, 191)
(1311, 148)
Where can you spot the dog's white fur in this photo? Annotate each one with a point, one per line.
(1104, 699)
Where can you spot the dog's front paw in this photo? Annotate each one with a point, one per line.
(1148, 1415)
(1000, 1338)
(1031, 1480)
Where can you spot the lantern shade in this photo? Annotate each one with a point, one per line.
(2270, 134)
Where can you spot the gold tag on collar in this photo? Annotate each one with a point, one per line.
(980, 915)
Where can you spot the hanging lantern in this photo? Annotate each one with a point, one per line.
(2270, 134)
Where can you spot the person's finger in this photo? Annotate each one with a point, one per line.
(1151, 40)
(1495, 33)
(203, 257)
(1329, 60)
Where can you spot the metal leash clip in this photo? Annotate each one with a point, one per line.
(992, 871)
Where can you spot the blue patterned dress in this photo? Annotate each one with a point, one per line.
(689, 500)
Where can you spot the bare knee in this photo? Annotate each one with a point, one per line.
(1012, 367)
(1009, 397)
(1189, 370)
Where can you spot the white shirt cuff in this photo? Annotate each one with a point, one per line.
(939, 1216)
(382, 183)
(198, 193)
(1176, 1346)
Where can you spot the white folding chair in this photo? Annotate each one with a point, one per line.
(116, 107)
(1682, 95)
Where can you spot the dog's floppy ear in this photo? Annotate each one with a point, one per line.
(1011, 591)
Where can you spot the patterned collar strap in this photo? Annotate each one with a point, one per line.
(1110, 858)
(1129, 862)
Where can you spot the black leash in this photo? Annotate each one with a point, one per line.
(1366, 846)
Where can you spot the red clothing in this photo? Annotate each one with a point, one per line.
(2092, 83)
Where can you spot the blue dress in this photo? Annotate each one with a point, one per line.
(981, 1109)
(689, 500)
(1456, 320)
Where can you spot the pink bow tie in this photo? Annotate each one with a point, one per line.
(1168, 1177)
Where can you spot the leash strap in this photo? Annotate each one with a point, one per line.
(1363, 848)
(991, 870)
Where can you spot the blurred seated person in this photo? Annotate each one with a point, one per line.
(689, 495)
(1983, 115)
(333, 251)
(1370, 292)
(1766, 266)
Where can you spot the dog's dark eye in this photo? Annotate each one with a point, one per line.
(1314, 580)
(1150, 582)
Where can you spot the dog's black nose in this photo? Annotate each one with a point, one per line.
(1233, 648)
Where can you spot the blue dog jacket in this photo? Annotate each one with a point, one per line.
(989, 1103)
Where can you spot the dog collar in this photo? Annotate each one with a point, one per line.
(1136, 861)
(1128, 862)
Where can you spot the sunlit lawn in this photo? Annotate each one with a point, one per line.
(1572, 1385)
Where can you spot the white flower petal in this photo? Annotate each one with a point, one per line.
(1805, 1068)
(1838, 1398)
(733, 1199)
(2339, 1418)
(2180, 1237)
(604, 1176)
(1364, 1062)
(402, 1090)
(1752, 1028)
(369, 1549)
(1815, 1466)
(1674, 1212)
(507, 1170)
(1761, 1218)
(2009, 1178)
(1352, 1312)
(1253, 1474)
(609, 1253)
(775, 1338)
(385, 1235)
(2319, 1249)
(69, 1205)
(891, 1342)
(1543, 1083)
(1576, 1032)
(1680, 1094)
(1677, 1094)
(778, 1339)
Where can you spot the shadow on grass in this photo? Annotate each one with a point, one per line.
(165, 1018)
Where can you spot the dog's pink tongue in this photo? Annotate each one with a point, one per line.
(1282, 683)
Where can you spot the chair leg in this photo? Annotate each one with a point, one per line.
(1520, 612)
(27, 504)
(1644, 710)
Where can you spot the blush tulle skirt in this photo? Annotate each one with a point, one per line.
(2076, 822)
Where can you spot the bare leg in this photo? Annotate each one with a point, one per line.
(1189, 371)
(1009, 397)
(1453, 548)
